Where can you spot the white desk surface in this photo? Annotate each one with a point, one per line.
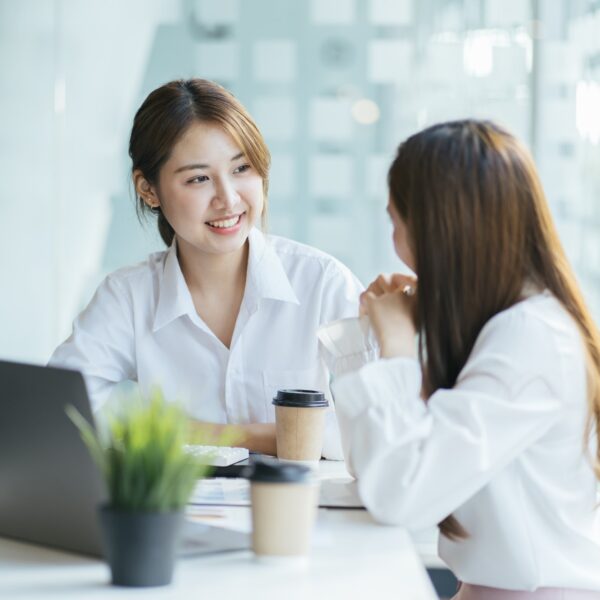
(351, 557)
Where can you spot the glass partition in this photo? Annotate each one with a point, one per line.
(334, 85)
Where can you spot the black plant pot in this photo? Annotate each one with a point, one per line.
(140, 546)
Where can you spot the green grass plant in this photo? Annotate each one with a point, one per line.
(141, 454)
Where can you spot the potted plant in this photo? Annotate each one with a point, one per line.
(149, 478)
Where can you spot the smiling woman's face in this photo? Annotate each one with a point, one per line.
(400, 237)
(209, 192)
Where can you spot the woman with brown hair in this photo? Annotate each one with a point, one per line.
(226, 315)
(488, 425)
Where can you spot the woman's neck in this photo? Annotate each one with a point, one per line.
(213, 274)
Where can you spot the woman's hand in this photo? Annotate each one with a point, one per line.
(389, 302)
(257, 437)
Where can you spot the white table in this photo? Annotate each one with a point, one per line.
(352, 557)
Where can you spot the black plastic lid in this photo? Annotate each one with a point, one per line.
(300, 398)
(272, 471)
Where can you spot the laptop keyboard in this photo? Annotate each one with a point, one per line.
(217, 456)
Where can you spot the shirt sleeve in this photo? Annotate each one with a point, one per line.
(101, 345)
(341, 291)
(348, 344)
(416, 463)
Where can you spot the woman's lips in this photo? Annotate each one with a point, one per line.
(227, 225)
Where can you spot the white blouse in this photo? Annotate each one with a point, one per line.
(141, 325)
(502, 451)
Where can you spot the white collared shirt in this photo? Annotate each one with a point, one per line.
(502, 451)
(141, 325)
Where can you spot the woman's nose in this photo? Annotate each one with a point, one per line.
(226, 195)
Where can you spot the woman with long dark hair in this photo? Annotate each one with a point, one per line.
(486, 426)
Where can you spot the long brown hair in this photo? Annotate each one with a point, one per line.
(479, 228)
(168, 112)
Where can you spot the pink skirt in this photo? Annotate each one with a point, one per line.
(479, 592)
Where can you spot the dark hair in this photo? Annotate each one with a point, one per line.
(165, 116)
(479, 229)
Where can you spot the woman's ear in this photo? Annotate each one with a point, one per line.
(144, 190)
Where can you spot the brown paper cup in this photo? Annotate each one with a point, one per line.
(283, 515)
(299, 432)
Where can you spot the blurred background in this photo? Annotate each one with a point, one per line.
(334, 85)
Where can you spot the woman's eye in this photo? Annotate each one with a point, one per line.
(242, 168)
(198, 179)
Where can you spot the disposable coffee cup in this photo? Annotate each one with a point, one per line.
(299, 423)
(284, 500)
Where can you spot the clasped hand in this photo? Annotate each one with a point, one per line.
(389, 302)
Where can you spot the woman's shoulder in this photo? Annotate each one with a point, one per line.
(137, 277)
(539, 316)
(536, 335)
(293, 252)
(287, 247)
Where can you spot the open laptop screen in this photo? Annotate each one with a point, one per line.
(49, 487)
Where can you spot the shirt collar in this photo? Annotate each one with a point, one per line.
(266, 278)
(174, 298)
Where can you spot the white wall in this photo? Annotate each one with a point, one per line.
(71, 77)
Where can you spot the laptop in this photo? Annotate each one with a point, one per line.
(49, 486)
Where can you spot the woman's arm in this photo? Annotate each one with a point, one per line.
(341, 291)
(416, 463)
(101, 345)
(257, 437)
